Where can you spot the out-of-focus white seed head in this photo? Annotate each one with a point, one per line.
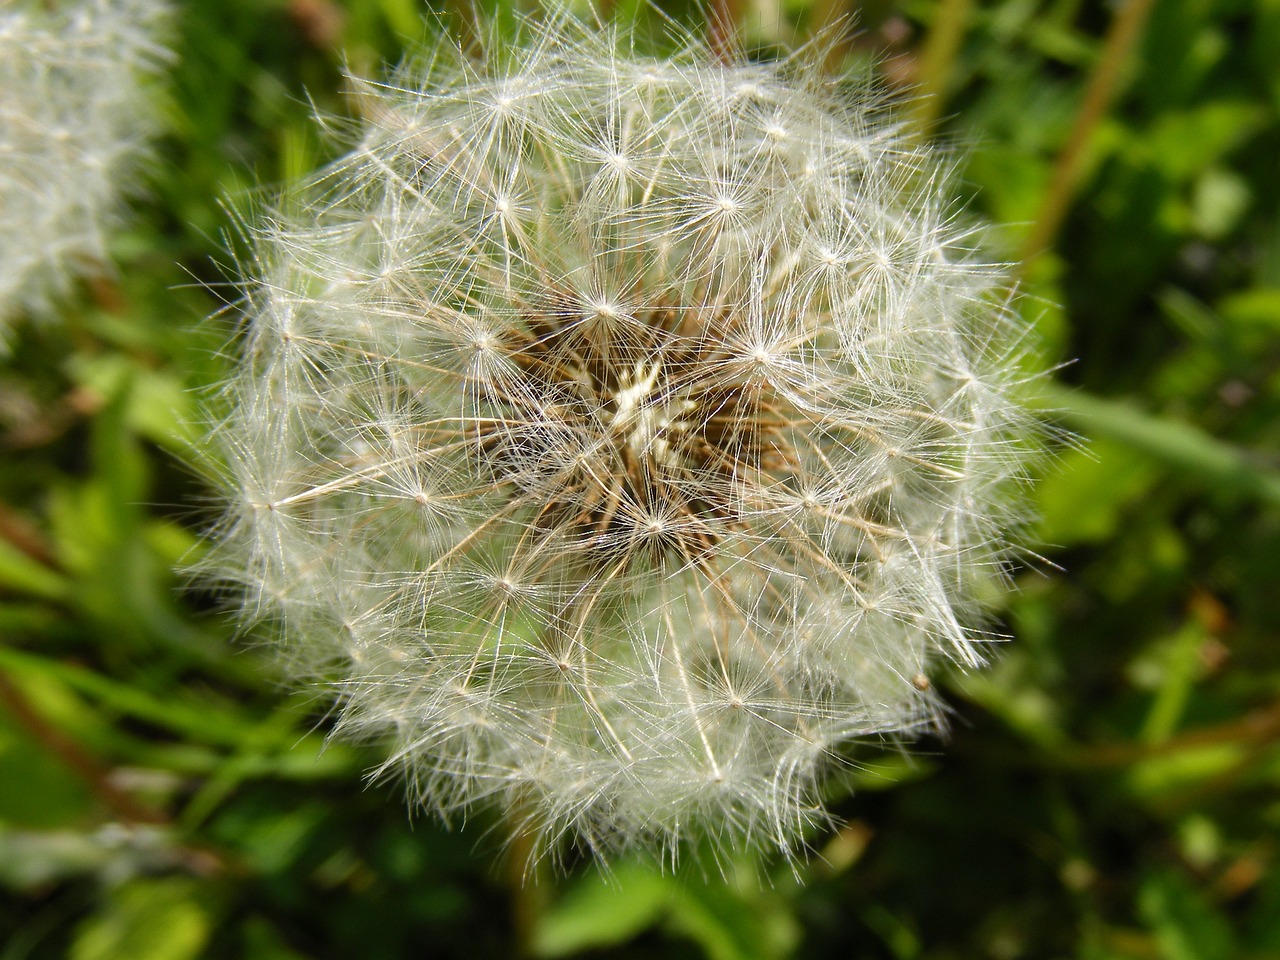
(76, 112)
(621, 437)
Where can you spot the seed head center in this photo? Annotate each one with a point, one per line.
(644, 418)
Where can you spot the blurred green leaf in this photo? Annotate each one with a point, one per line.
(1258, 308)
(152, 404)
(730, 926)
(36, 788)
(1161, 775)
(1009, 691)
(21, 573)
(1183, 144)
(204, 720)
(603, 910)
(1219, 199)
(405, 18)
(1185, 924)
(1198, 457)
(902, 941)
(146, 920)
(264, 942)
(1178, 666)
(1084, 495)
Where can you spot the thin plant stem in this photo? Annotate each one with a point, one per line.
(528, 895)
(463, 13)
(937, 61)
(724, 25)
(1104, 84)
(1259, 728)
(832, 23)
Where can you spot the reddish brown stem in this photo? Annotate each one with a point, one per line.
(464, 15)
(1125, 30)
(18, 533)
(832, 22)
(78, 760)
(724, 23)
(1261, 727)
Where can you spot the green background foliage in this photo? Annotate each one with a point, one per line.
(1110, 786)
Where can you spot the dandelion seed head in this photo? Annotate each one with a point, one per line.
(77, 110)
(655, 456)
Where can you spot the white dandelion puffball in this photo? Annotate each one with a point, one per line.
(75, 117)
(619, 437)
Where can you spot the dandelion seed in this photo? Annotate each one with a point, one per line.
(626, 502)
(75, 117)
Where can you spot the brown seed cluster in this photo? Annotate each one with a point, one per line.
(676, 431)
